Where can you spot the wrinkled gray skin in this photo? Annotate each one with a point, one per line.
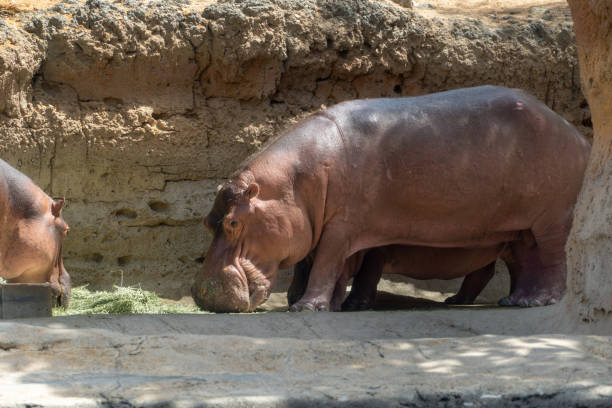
(366, 268)
(468, 168)
(33, 232)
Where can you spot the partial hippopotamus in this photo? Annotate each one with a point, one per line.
(366, 268)
(468, 168)
(33, 232)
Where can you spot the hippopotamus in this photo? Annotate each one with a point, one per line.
(33, 231)
(466, 168)
(366, 268)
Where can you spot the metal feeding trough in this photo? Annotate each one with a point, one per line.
(19, 300)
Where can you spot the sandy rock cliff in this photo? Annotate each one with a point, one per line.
(590, 244)
(136, 112)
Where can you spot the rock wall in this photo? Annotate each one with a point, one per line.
(590, 245)
(136, 112)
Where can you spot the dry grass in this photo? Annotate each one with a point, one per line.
(121, 300)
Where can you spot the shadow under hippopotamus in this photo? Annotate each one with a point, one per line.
(397, 292)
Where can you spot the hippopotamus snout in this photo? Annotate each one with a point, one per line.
(65, 288)
(197, 298)
(227, 292)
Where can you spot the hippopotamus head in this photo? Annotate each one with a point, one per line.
(254, 233)
(33, 233)
(34, 254)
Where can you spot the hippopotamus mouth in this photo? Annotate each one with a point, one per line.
(242, 287)
(63, 288)
(258, 285)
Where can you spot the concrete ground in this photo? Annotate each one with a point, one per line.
(426, 356)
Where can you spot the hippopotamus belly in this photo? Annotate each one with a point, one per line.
(366, 268)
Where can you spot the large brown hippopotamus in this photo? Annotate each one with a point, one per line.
(468, 168)
(33, 232)
(366, 267)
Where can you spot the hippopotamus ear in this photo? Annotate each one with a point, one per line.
(251, 191)
(209, 224)
(56, 207)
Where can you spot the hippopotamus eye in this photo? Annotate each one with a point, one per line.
(231, 223)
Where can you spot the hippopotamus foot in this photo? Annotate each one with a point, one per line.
(352, 304)
(541, 288)
(538, 270)
(361, 297)
(543, 298)
(310, 306)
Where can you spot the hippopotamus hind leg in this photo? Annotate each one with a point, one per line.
(539, 277)
(472, 285)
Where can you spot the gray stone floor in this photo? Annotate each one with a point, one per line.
(463, 357)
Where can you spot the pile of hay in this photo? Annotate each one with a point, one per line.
(122, 300)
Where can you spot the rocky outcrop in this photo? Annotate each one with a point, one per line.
(590, 245)
(136, 112)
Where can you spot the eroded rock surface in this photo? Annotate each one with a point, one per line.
(590, 244)
(136, 112)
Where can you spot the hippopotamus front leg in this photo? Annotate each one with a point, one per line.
(327, 268)
(301, 273)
